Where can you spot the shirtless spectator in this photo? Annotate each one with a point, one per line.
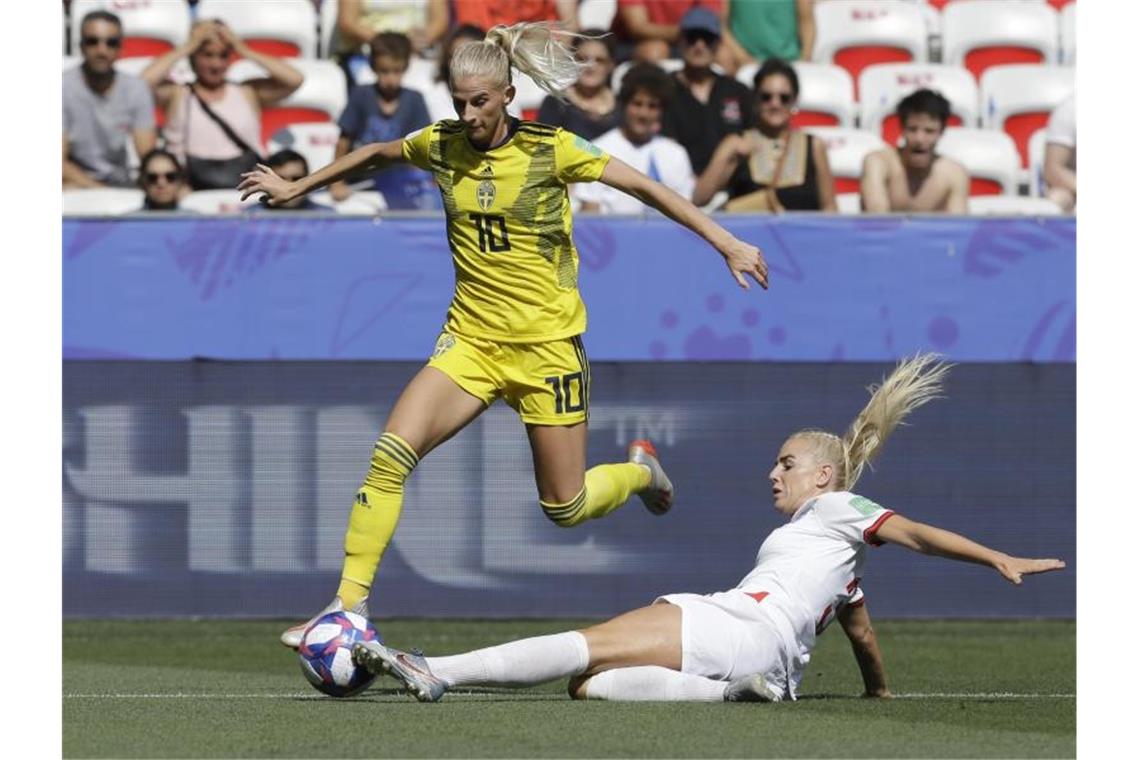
(914, 177)
(1061, 156)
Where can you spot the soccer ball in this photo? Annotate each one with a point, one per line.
(326, 653)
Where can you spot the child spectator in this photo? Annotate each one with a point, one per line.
(382, 112)
(590, 108)
(914, 177)
(161, 180)
(102, 109)
(645, 92)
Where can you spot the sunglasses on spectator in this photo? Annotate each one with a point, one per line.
(784, 97)
(691, 38)
(171, 177)
(111, 42)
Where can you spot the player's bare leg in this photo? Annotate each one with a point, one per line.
(431, 409)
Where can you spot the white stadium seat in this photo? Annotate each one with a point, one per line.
(1018, 99)
(827, 94)
(326, 24)
(884, 85)
(316, 142)
(979, 34)
(285, 28)
(858, 33)
(102, 201)
(216, 202)
(360, 203)
(849, 203)
(989, 156)
(1037, 162)
(846, 149)
(1012, 205)
(150, 27)
(321, 97)
(1069, 35)
(596, 14)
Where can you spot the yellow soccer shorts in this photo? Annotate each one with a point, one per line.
(547, 383)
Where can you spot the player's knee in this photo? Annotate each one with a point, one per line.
(577, 686)
(392, 462)
(567, 514)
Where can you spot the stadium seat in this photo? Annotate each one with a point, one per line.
(284, 28)
(1069, 35)
(102, 201)
(150, 27)
(316, 142)
(1037, 162)
(989, 156)
(360, 203)
(979, 34)
(216, 202)
(326, 26)
(885, 84)
(1018, 99)
(528, 95)
(858, 33)
(827, 94)
(846, 149)
(322, 96)
(849, 203)
(1012, 205)
(596, 14)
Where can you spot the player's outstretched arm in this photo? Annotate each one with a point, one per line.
(856, 623)
(742, 258)
(371, 157)
(927, 539)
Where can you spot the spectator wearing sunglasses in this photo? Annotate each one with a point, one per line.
(162, 181)
(770, 167)
(708, 107)
(103, 109)
(590, 108)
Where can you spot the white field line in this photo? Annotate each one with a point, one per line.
(500, 695)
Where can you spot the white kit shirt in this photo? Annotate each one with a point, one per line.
(661, 159)
(807, 569)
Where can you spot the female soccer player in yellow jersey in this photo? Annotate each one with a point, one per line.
(513, 329)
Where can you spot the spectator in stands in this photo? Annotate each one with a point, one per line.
(590, 108)
(914, 177)
(708, 107)
(424, 22)
(102, 109)
(292, 166)
(438, 99)
(770, 29)
(488, 13)
(645, 93)
(214, 126)
(1061, 156)
(647, 30)
(383, 112)
(161, 180)
(772, 167)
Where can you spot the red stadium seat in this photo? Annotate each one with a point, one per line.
(1018, 99)
(855, 34)
(846, 149)
(884, 85)
(322, 97)
(283, 28)
(150, 27)
(989, 156)
(827, 94)
(979, 34)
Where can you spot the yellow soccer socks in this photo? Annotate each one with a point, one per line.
(607, 487)
(375, 513)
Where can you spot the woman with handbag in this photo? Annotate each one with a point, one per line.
(214, 126)
(771, 167)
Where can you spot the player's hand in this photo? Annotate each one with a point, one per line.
(264, 180)
(745, 259)
(1015, 567)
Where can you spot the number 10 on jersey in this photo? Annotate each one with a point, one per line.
(492, 229)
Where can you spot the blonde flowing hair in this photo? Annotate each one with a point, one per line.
(537, 49)
(913, 382)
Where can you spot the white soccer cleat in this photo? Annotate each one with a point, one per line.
(293, 636)
(658, 496)
(409, 668)
(751, 689)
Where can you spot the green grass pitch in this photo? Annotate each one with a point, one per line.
(228, 689)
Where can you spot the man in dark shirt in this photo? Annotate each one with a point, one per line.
(707, 106)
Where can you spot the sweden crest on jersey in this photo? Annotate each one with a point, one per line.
(485, 193)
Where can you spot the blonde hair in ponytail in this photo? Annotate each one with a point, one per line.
(914, 382)
(533, 48)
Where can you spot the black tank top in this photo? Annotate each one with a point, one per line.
(800, 164)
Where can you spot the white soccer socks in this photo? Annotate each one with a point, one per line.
(526, 662)
(651, 683)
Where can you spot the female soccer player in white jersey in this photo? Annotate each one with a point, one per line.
(750, 643)
(514, 327)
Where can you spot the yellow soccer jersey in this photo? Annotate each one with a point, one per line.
(508, 225)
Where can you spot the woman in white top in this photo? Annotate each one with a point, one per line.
(215, 155)
(750, 643)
